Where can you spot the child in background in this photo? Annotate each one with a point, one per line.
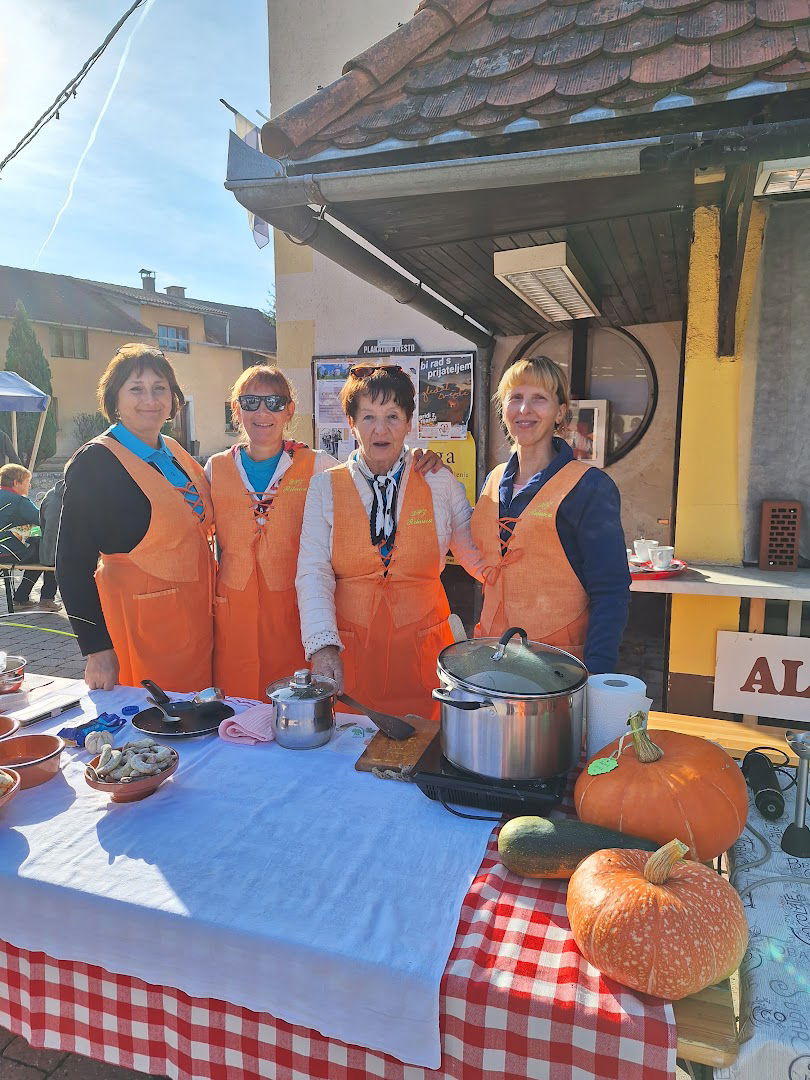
(18, 512)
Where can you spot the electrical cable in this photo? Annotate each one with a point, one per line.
(70, 90)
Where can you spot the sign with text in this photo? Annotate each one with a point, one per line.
(389, 347)
(763, 675)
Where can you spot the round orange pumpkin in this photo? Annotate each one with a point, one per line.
(655, 923)
(667, 784)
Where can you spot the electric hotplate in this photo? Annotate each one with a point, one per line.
(444, 782)
(201, 720)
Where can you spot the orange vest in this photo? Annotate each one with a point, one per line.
(532, 585)
(157, 598)
(257, 629)
(392, 624)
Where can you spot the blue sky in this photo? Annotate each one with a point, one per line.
(150, 191)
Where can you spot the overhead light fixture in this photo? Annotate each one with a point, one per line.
(549, 279)
(783, 177)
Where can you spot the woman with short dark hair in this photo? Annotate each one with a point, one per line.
(373, 545)
(134, 559)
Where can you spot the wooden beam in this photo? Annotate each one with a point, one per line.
(579, 359)
(735, 216)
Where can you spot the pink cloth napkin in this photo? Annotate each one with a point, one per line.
(251, 726)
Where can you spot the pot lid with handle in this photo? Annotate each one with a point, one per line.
(513, 668)
(301, 686)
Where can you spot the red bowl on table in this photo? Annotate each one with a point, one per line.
(36, 758)
(8, 725)
(131, 790)
(8, 793)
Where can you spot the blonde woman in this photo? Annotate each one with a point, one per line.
(259, 489)
(549, 528)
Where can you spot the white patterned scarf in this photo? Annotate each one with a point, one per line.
(384, 488)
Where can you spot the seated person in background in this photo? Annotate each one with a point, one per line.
(18, 511)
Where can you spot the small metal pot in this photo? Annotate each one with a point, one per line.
(304, 715)
(511, 711)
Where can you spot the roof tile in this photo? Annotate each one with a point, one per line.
(594, 77)
(568, 49)
(479, 65)
(502, 9)
(605, 13)
(522, 89)
(642, 35)
(756, 48)
(478, 37)
(457, 102)
(782, 12)
(502, 62)
(722, 18)
(439, 74)
(670, 66)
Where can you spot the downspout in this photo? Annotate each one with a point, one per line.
(306, 227)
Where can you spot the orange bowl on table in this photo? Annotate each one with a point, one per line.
(11, 677)
(36, 758)
(8, 793)
(131, 790)
(8, 725)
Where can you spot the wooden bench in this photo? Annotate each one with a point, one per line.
(7, 569)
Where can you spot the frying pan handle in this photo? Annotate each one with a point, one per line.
(506, 637)
(161, 698)
(457, 703)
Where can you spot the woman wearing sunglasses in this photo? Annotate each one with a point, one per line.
(258, 488)
(376, 532)
(133, 558)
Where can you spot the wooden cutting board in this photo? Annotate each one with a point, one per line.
(389, 754)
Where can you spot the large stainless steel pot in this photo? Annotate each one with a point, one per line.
(511, 711)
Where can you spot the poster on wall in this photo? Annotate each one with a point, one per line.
(442, 392)
(445, 395)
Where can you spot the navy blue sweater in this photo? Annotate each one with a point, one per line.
(590, 530)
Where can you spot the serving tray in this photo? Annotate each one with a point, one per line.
(649, 572)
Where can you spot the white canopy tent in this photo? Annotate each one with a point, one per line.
(19, 395)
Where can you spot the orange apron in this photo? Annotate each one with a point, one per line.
(157, 598)
(532, 584)
(257, 629)
(392, 623)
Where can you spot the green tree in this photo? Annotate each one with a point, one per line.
(269, 311)
(25, 356)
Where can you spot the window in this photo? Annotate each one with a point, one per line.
(173, 338)
(67, 341)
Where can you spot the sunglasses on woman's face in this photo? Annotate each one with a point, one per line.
(272, 402)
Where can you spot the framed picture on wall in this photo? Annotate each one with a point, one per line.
(587, 432)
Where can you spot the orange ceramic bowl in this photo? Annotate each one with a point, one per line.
(8, 725)
(9, 793)
(35, 757)
(131, 790)
(11, 677)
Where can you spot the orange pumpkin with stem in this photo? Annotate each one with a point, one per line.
(655, 923)
(667, 784)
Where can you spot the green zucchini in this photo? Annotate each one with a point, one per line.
(536, 847)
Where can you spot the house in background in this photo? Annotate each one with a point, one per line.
(80, 324)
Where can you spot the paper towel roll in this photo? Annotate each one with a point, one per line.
(610, 700)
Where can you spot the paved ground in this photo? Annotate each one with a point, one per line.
(44, 639)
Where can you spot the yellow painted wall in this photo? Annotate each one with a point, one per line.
(295, 349)
(709, 512)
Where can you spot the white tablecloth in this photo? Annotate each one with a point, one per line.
(282, 881)
(775, 974)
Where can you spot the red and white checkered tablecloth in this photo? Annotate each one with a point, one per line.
(517, 1001)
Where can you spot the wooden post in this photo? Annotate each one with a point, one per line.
(14, 432)
(38, 436)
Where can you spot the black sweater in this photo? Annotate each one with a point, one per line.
(103, 511)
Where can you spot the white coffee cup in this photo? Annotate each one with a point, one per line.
(643, 548)
(661, 557)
